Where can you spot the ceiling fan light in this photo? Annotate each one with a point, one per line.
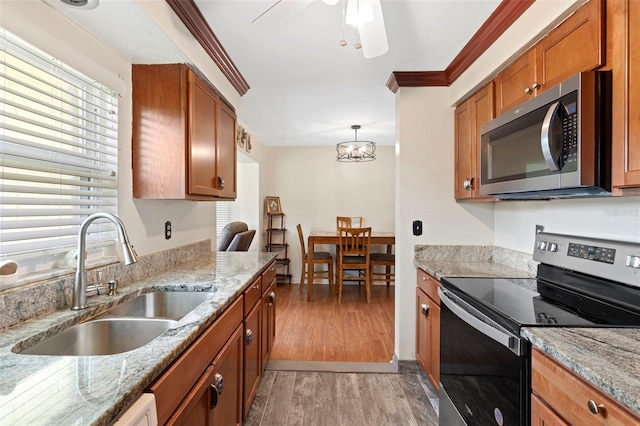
(359, 12)
(330, 2)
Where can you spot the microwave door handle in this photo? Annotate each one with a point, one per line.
(513, 342)
(547, 141)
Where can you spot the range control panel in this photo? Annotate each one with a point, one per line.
(613, 260)
(598, 254)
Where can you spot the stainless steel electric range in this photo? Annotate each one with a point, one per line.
(485, 365)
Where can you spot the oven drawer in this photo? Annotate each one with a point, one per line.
(570, 396)
(429, 285)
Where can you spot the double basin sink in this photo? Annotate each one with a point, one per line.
(124, 327)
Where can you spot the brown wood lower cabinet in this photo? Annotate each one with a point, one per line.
(428, 326)
(560, 397)
(252, 346)
(214, 381)
(217, 397)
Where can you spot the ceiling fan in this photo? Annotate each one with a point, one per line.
(364, 15)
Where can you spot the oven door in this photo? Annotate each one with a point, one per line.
(484, 369)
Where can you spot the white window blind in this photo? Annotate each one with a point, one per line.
(58, 155)
(223, 212)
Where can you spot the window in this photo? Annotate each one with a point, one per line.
(58, 157)
(223, 213)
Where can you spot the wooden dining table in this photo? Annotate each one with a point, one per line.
(333, 238)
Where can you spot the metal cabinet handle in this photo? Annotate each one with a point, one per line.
(535, 85)
(528, 91)
(467, 184)
(551, 141)
(595, 408)
(424, 308)
(220, 182)
(216, 389)
(248, 337)
(424, 278)
(272, 297)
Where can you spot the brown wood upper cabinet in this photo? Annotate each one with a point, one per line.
(626, 102)
(574, 46)
(183, 144)
(469, 117)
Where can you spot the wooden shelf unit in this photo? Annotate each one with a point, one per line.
(277, 243)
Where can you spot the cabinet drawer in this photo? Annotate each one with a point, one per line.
(268, 276)
(569, 395)
(429, 285)
(252, 295)
(178, 380)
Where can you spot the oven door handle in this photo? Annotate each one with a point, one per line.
(472, 316)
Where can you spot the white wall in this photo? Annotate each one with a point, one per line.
(424, 191)
(314, 188)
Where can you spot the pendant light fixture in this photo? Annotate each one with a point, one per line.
(356, 151)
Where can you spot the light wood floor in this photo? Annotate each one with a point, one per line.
(287, 398)
(324, 330)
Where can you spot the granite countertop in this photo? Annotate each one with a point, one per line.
(94, 390)
(607, 358)
(473, 261)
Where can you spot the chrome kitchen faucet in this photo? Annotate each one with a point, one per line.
(79, 286)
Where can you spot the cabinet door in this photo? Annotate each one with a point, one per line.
(482, 111)
(216, 399)
(202, 138)
(514, 83)
(463, 145)
(434, 343)
(626, 86)
(268, 320)
(575, 46)
(226, 151)
(228, 365)
(469, 118)
(252, 360)
(422, 330)
(541, 415)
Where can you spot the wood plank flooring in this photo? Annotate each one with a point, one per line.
(325, 330)
(324, 398)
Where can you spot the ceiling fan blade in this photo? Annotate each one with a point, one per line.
(373, 35)
(279, 11)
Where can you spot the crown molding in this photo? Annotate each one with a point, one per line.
(192, 18)
(502, 18)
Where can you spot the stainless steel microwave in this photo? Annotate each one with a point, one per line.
(557, 144)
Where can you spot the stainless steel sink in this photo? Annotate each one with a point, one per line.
(105, 336)
(168, 304)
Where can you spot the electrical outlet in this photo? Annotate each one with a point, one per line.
(167, 230)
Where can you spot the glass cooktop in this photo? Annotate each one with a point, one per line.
(533, 302)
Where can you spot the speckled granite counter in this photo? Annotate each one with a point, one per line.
(607, 358)
(94, 390)
(473, 261)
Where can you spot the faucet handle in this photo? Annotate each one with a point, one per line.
(113, 286)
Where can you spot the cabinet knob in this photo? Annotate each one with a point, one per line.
(528, 90)
(216, 389)
(424, 308)
(595, 408)
(424, 278)
(535, 85)
(220, 182)
(248, 337)
(272, 297)
(467, 184)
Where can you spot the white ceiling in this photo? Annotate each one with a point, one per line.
(306, 90)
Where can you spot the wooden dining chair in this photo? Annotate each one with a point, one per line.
(348, 221)
(388, 260)
(308, 266)
(354, 255)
